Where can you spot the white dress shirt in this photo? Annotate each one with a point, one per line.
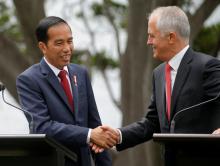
(57, 71)
(175, 63)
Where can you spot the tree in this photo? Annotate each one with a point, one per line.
(211, 34)
(18, 60)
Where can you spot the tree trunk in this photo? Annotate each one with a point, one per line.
(11, 63)
(136, 68)
(203, 12)
(12, 60)
(29, 13)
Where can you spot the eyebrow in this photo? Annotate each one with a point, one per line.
(58, 40)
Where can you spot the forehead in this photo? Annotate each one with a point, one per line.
(152, 24)
(59, 31)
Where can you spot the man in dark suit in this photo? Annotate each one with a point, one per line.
(60, 98)
(184, 79)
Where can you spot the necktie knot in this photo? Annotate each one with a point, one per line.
(168, 68)
(62, 74)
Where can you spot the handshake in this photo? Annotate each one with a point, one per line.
(103, 137)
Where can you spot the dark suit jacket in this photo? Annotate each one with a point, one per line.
(197, 80)
(41, 94)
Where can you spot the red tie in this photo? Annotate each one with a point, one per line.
(168, 89)
(65, 84)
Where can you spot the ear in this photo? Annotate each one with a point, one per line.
(172, 37)
(43, 47)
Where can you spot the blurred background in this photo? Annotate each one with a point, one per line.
(110, 40)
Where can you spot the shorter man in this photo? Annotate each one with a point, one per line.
(60, 97)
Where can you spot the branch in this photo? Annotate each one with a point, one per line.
(110, 18)
(29, 13)
(203, 12)
(92, 35)
(110, 91)
(12, 63)
(87, 25)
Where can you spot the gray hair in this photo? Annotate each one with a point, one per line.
(172, 18)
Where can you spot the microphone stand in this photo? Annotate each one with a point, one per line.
(31, 120)
(172, 127)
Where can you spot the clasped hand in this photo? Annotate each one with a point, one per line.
(103, 137)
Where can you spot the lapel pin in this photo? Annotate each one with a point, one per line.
(75, 80)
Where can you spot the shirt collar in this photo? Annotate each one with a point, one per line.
(175, 61)
(55, 69)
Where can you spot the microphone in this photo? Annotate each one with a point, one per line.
(172, 127)
(31, 120)
(2, 87)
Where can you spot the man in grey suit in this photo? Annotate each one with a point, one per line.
(184, 79)
(60, 98)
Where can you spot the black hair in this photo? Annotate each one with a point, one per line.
(44, 25)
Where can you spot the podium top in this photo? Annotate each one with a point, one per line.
(199, 145)
(28, 136)
(32, 143)
(167, 138)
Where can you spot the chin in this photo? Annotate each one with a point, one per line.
(66, 63)
(155, 56)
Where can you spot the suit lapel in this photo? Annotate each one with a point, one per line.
(159, 81)
(54, 82)
(74, 84)
(162, 90)
(180, 80)
(162, 93)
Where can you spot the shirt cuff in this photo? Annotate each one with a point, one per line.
(88, 136)
(120, 136)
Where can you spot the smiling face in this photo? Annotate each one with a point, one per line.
(59, 47)
(158, 41)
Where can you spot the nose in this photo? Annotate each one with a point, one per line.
(67, 47)
(149, 40)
